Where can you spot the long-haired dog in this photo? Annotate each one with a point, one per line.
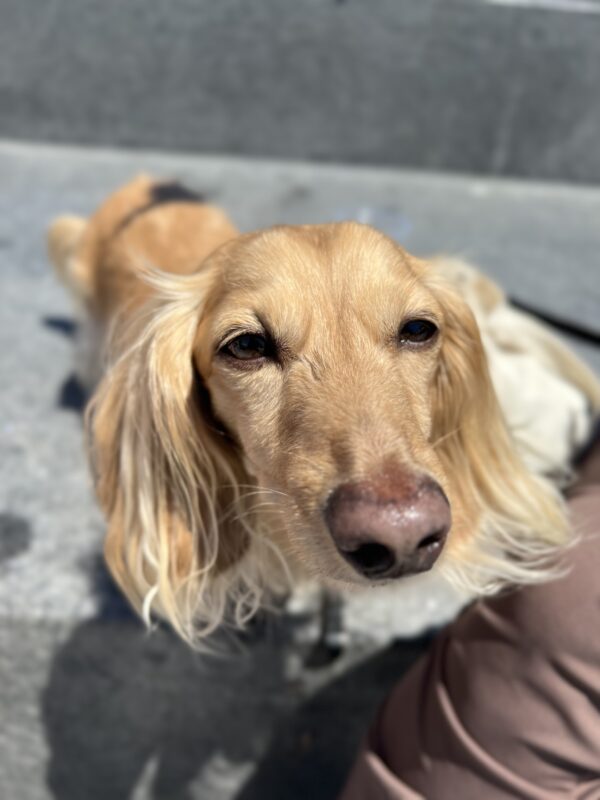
(299, 401)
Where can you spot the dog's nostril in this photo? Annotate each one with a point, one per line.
(371, 558)
(434, 538)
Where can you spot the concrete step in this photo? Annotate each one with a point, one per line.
(487, 86)
(91, 706)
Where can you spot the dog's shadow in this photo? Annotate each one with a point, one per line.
(130, 713)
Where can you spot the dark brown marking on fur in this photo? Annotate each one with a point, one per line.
(161, 194)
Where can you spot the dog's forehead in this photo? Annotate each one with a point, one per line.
(340, 257)
(307, 282)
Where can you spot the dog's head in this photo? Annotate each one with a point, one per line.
(316, 399)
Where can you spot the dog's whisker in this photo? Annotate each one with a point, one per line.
(256, 489)
(440, 440)
(251, 514)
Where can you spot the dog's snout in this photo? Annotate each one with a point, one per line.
(386, 529)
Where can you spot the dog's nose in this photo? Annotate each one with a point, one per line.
(389, 528)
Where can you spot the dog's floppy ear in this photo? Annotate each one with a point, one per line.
(513, 521)
(180, 540)
(549, 396)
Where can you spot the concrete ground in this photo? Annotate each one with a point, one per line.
(507, 87)
(92, 707)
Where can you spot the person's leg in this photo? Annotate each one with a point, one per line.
(506, 704)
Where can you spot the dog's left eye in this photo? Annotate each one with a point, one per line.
(416, 331)
(247, 347)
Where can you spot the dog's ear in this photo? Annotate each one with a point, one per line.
(64, 238)
(512, 522)
(170, 482)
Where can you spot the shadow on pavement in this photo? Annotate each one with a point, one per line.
(64, 325)
(118, 699)
(121, 704)
(72, 396)
(312, 750)
(15, 535)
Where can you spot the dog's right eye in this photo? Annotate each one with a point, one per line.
(417, 331)
(247, 347)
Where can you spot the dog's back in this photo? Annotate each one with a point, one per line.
(146, 223)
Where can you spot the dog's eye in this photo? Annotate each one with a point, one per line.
(247, 347)
(416, 331)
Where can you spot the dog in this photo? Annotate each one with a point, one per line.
(306, 401)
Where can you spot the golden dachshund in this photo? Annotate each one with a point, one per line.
(299, 401)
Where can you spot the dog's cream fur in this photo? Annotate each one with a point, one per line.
(213, 475)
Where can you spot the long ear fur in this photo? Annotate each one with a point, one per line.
(514, 522)
(183, 539)
(485, 297)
